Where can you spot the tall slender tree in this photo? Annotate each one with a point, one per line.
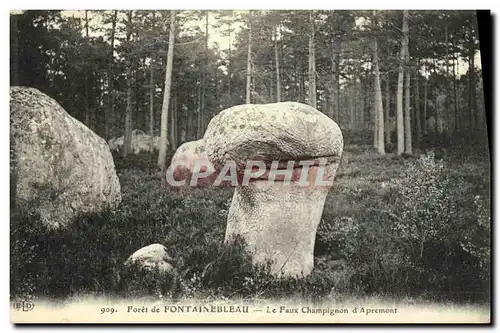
(127, 140)
(249, 60)
(387, 109)
(312, 63)
(162, 155)
(108, 116)
(277, 61)
(408, 139)
(379, 109)
(399, 101)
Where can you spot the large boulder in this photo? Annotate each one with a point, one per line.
(59, 167)
(277, 214)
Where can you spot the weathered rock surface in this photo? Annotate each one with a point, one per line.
(141, 142)
(278, 131)
(58, 165)
(152, 258)
(187, 157)
(277, 220)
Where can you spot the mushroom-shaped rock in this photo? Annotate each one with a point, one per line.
(58, 165)
(276, 211)
(151, 258)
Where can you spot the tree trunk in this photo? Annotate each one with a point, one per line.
(276, 54)
(249, 60)
(111, 94)
(301, 81)
(87, 76)
(152, 89)
(312, 64)
(379, 109)
(334, 94)
(162, 156)
(229, 65)
(200, 123)
(353, 103)
(127, 140)
(447, 88)
(473, 110)
(408, 139)
(387, 110)
(399, 108)
(173, 123)
(14, 50)
(425, 103)
(456, 111)
(408, 142)
(418, 117)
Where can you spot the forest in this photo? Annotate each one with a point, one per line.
(405, 88)
(419, 72)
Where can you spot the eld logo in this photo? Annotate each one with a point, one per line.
(24, 306)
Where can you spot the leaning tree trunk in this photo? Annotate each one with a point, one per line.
(249, 60)
(162, 156)
(379, 109)
(127, 140)
(399, 101)
(312, 64)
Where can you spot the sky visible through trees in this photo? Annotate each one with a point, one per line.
(323, 57)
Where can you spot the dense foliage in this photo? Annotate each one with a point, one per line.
(68, 56)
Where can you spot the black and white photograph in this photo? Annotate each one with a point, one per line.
(250, 166)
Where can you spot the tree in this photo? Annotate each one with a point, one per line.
(379, 109)
(312, 64)
(408, 148)
(387, 109)
(249, 60)
(399, 101)
(152, 88)
(14, 50)
(200, 123)
(162, 156)
(277, 61)
(127, 140)
(111, 93)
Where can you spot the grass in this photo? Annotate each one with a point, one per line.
(357, 253)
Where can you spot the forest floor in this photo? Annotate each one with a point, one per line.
(88, 260)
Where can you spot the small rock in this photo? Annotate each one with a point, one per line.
(152, 258)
